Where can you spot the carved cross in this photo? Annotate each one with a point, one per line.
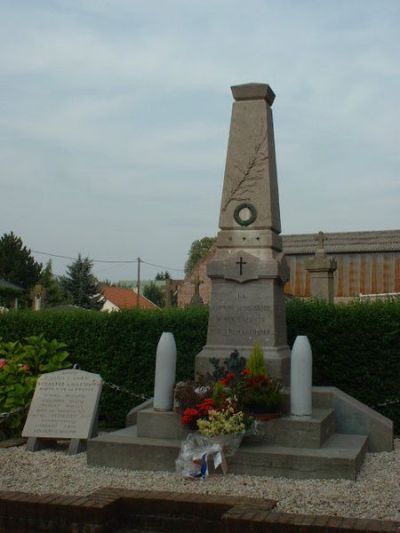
(241, 263)
(320, 238)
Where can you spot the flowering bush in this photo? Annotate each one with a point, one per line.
(236, 394)
(253, 387)
(250, 390)
(20, 367)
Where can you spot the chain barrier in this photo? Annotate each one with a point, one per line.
(385, 403)
(13, 412)
(126, 391)
(113, 386)
(143, 397)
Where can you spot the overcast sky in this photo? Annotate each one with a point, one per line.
(114, 120)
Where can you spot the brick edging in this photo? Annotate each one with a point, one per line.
(102, 510)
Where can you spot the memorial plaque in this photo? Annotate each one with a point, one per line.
(64, 406)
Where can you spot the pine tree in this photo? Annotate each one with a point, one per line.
(54, 294)
(81, 285)
(154, 293)
(17, 264)
(255, 362)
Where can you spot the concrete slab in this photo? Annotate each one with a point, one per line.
(354, 417)
(295, 432)
(160, 425)
(340, 458)
(124, 449)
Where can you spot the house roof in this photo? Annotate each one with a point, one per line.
(344, 242)
(126, 298)
(8, 285)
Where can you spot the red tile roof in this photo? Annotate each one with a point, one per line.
(126, 298)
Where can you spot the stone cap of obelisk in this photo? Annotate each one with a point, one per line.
(250, 201)
(253, 91)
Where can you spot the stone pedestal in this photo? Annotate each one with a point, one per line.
(248, 270)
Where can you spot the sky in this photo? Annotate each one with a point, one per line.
(114, 120)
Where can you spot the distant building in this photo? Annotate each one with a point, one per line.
(119, 298)
(368, 263)
(9, 293)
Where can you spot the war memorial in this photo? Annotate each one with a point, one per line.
(248, 272)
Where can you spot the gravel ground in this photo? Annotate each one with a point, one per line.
(375, 494)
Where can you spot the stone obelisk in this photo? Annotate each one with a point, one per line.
(248, 270)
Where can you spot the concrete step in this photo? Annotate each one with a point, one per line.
(299, 432)
(124, 449)
(296, 432)
(340, 457)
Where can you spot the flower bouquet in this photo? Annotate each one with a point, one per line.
(258, 394)
(217, 418)
(225, 426)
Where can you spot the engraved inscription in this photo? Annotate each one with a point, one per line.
(64, 405)
(240, 315)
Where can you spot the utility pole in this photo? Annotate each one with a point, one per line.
(138, 283)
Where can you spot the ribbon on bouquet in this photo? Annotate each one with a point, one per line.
(216, 455)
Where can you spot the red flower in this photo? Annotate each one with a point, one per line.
(205, 406)
(227, 379)
(189, 416)
(245, 372)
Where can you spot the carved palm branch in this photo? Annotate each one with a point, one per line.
(244, 182)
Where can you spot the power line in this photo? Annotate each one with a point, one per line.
(128, 261)
(73, 258)
(162, 266)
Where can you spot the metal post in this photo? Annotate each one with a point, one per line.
(138, 283)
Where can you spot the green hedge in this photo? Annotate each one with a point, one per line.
(356, 347)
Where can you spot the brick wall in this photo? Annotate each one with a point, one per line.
(109, 509)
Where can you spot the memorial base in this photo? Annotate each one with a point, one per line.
(330, 444)
(277, 360)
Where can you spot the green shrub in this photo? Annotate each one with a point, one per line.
(21, 365)
(255, 362)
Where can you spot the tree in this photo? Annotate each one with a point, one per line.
(197, 251)
(161, 276)
(154, 293)
(81, 285)
(54, 293)
(17, 264)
